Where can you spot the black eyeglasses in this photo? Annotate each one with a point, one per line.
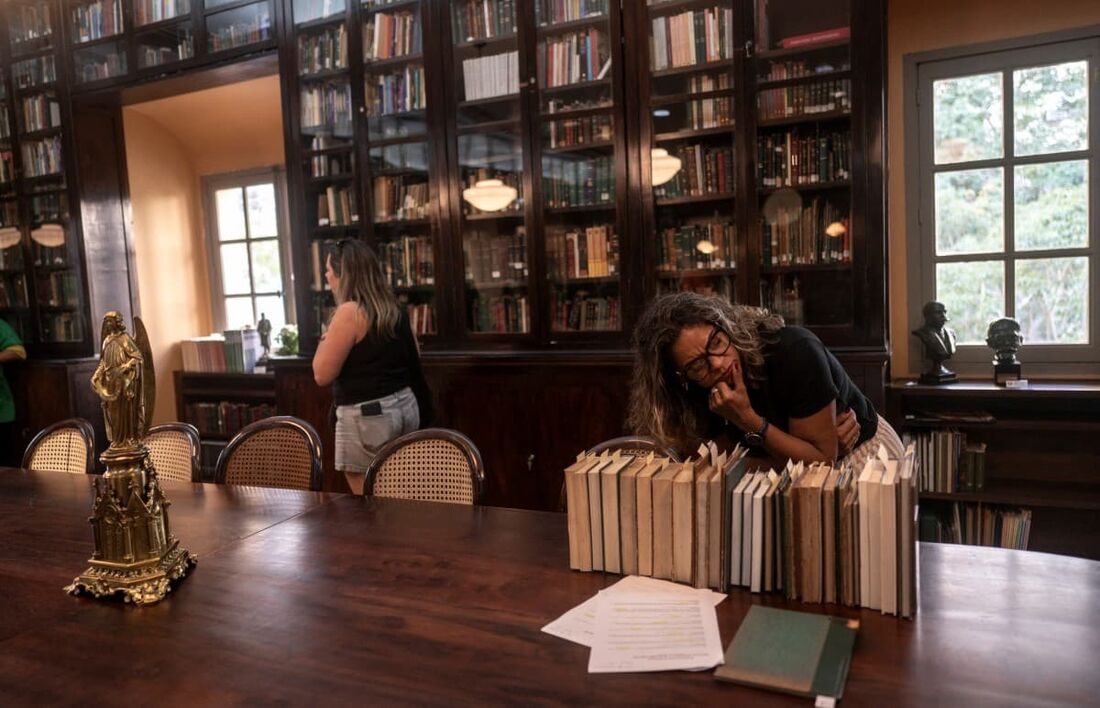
(718, 343)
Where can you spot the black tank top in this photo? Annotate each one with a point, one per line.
(378, 366)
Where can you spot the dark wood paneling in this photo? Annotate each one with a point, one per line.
(49, 391)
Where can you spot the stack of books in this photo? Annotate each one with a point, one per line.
(816, 533)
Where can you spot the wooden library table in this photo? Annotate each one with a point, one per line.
(306, 598)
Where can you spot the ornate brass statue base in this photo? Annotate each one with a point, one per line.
(135, 553)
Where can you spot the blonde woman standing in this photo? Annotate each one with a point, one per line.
(370, 357)
(704, 369)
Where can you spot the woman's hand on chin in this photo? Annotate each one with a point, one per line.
(732, 402)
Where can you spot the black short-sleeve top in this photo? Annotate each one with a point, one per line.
(802, 377)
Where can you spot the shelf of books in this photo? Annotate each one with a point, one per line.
(804, 161)
(489, 159)
(41, 288)
(164, 32)
(96, 30)
(579, 135)
(398, 175)
(231, 24)
(691, 114)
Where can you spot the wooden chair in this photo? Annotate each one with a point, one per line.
(434, 464)
(281, 451)
(635, 445)
(176, 451)
(67, 446)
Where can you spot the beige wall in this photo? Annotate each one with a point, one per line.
(923, 25)
(170, 144)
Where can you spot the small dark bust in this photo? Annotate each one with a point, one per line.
(939, 343)
(1004, 338)
(264, 328)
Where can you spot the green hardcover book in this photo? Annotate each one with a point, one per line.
(792, 652)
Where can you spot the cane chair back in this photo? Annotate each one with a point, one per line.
(635, 445)
(175, 450)
(434, 464)
(281, 451)
(66, 446)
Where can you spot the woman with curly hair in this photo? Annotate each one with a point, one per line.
(704, 367)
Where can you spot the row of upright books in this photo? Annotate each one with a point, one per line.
(13, 290)
(408, 261)
(256, 28)
(574, 58)
(234, 351)
(58, 289)
(696, 246)
(552, 12)
(816, 533)
(96, 20)
(591, 252)
(581, 311)
(400, 198)
(421, 317)
(975, 524)
(579, 131)
(710, 113)
(147, 11)
(493, 257)
(389, 35)
(401, 91)
(948, 461)
(704, 169)
(805, 99)
(803, 156)
(40, 112)
(42, 157)
(324, 51)
(326, 105)
(692, 37)
(503, 314)
(155, 56)
(225, 418)
(571, 183)
(491, 76)
(482, 19)
(336, 206)
(34, 72)
(817, 234)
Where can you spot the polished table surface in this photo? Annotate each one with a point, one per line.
(309, 598)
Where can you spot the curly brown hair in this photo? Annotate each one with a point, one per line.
(661, 404)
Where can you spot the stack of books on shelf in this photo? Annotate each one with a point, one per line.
(400, 198)
(482, 19)
(39, 113)
(799, 68)
(256, 28)
(710, 113)
(816, 533)
(580, 311)
(491, 76)
(692, 37)
(819, 233)
(421, 318)
(696, 246)
(492, 257)
(34, 72)
(591, 252)
(399, 92)
(579, 131)
(225, 418)
(583, 182)
(408, 261)
(326, 105)
(28, 23)
(147, 11)
(337, 207)
(389, 35)
(803, 156)
(42, 157)
(552, 12)
(99, 63)
(96, 20)
(62, 327)
(805, 99)
(977, 525)
(573, 58)
(504, 314)
(155, 56)
(948, 463)
(325, 51)
(234, 351)
(58, 289)
(705, 169)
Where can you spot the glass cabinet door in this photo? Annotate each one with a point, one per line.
(691, 157)
(399, 157)
(492, 159)
(92, 24)
(581, 147)
(803, 167)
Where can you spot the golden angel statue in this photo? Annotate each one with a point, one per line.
(125, 381)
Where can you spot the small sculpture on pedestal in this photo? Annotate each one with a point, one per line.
(135, 552)
(1004, 338)
(264, 328)
(939, 343)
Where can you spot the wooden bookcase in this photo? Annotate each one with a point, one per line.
(1040, 452)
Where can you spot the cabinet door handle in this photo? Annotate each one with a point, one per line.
(531, 462)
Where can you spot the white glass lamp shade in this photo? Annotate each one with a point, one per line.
(49, 235)
(664, 166)
(835, 230)
(9, 236)
(490, 195)
(705, 247)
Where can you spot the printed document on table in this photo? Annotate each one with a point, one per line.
(654, 632)
(577, 624)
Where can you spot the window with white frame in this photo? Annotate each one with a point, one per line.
(1006, 197)
(246, 230)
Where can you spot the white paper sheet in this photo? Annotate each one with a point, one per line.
(578, 624)
(654, 632)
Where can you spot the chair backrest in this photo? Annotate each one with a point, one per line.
(635, 445)
(434, 464)
(67, 446)
(281, 451)
(176, 451)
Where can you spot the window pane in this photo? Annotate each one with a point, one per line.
(1051, 108)
(967, 118)
(262, 216)
(266, 270)
(272, 307)
(974, 294)
(1052, 205)
(1052, 300)
(238, 312)
(970, 211)
(230, 214)
(235, 269)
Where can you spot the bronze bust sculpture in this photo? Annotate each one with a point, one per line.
(1004, 338)
(939, 343)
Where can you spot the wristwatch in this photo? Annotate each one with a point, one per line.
(757, 439)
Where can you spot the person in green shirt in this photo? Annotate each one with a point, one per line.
(11, 349)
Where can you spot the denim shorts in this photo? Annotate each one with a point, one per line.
(359, 436)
